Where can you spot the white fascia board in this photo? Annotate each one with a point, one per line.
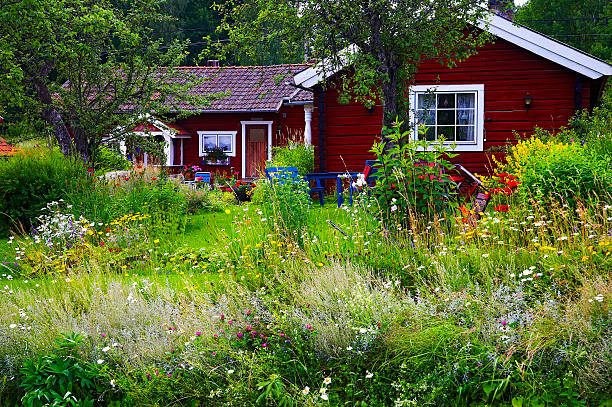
(546, 47)
(323, 70)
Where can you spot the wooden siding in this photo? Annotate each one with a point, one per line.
(507, 71)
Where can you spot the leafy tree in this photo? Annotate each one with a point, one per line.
(382, 40)
(88, 68)
(586, 24)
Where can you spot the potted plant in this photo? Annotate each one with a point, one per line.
(189, 171)
(217, 156)
(242, 189)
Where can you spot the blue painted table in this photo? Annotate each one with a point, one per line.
(319, 186)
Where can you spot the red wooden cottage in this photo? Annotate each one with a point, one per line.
(521, 80)
(261, 109)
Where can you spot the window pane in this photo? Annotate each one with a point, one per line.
(465, 100)
(225, 142)
(465, 116)
(446, 117)
(447, 132)
(209, 142)
(465, 133)
(426, 101)
(446, 100)
(426, 117)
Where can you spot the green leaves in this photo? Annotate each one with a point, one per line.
(60, 378)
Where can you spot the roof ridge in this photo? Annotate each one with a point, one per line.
(305, 64)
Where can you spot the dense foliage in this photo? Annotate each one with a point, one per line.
(294, 154)
(584, 25)
(31, 179)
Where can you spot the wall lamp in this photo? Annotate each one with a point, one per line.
(528, 99)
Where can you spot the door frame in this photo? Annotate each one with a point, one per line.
(245, 123)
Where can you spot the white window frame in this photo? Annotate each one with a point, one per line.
(478, 143)
(202, 133)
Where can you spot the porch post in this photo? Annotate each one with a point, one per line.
(169, 150)
(182, 152)
(307, 120)
(270, 141)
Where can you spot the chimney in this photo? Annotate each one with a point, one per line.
(503, 8)
(214, 63)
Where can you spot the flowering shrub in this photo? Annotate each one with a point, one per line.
(563, 172)
(412, 177)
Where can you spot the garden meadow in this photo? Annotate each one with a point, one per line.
(142, 291)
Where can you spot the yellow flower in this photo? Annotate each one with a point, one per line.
(227, 211)
(156, 241)
(320, 264)
(584, 258)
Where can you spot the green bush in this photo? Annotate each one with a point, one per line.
(108, 159)
(566, 172)
(296, 155)
(29, 180)
(60, 378)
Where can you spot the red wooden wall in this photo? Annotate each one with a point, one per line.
(508, 72)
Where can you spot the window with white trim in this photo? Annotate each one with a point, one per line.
(226, 140)
(452, 112)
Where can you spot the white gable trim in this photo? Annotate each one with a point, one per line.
(523, 37)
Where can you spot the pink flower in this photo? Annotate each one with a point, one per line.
(504, 323)
(264, 345)
(240, 335)
(198, 333)
(308, 327)
(215, 336)
(103, 335)
(249, 312)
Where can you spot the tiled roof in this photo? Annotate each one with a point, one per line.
(5, 148)
(250, 88)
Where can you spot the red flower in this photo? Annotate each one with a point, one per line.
(90, 170)
(502, 208)
(154, 178)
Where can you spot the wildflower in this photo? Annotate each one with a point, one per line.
(198, 333)
(230, 371)
(13, 326)
(227, 211)
(327, 380)
(306, 390)
(100, 361)
(369, 374)
(112, 383)
(106, 349)
(324, 396)
(309, 327)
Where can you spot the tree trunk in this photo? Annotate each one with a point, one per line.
(50, 113)
(54, 119)
(390, 104)
(82, 147)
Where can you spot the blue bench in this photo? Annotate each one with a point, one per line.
(199, 177)
(283, 174)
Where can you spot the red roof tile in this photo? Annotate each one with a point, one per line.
(250, 88)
